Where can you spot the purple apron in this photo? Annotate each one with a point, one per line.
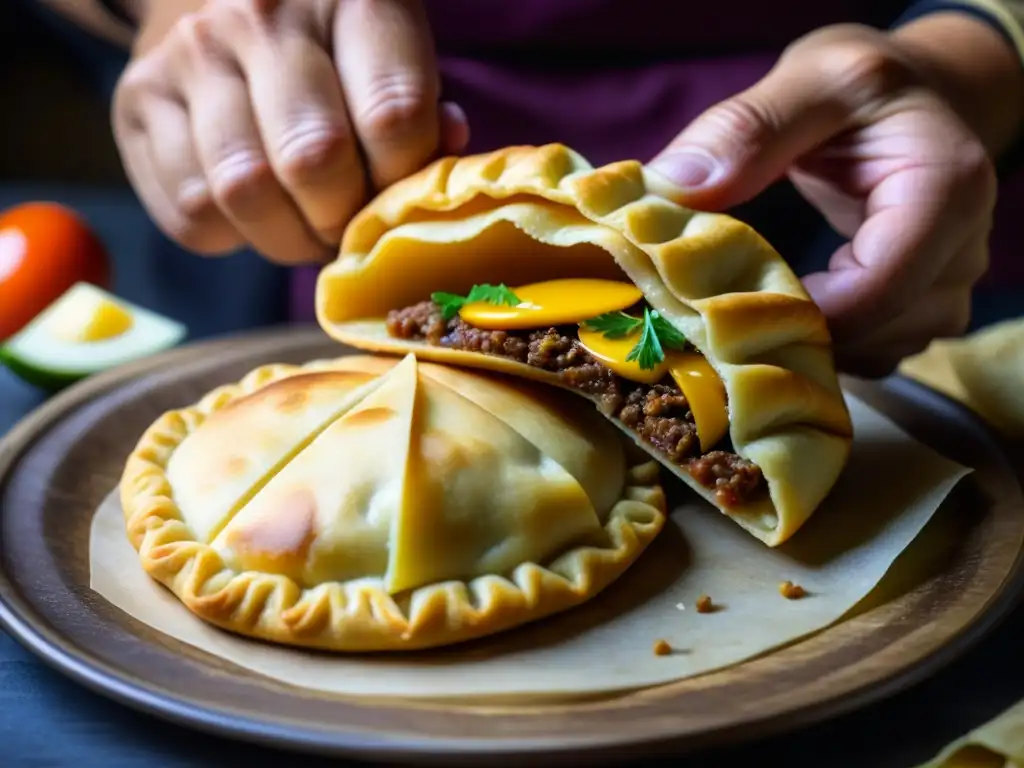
(619, 79)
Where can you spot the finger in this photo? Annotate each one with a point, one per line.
(843, 212)
(971, 263)
(154, 137)
(917, 219)
(235, 165)
(942, 313)
(737, 148)
(874, 364)
(300, 112)
(385, 57)
(454, 128)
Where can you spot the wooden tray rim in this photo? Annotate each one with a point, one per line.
(33, 632)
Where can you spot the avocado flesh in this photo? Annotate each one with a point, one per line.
(40, 356)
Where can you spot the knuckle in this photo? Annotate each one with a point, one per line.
(240, 180)
(306, 150)
(746, 121)
(134, 81)
(859, 74)
(257, 21)
(195, 202)
(194, 222)
(974, 175)
(135, 87)
(198, 37)
(194, 31)
(397, 106)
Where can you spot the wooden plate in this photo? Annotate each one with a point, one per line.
(960, 577)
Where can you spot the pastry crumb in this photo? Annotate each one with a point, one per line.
(662, 648)
(791, 591)
(681, 606)
(704, 604)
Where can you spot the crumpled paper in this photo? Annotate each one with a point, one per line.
(984, 371)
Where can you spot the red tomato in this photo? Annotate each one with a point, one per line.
(45, 248)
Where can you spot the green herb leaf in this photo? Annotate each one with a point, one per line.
(656, 334)
(451, 303)
(669, 336)
(614, 325)
(647, 352)
(493, 294)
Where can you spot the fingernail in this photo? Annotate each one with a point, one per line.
(193, 194)
(454, 128)
(690, 167)
(453, 112)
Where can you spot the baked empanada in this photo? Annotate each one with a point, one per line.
(375, 503)
(686, 328)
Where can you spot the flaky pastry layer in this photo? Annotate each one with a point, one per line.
(359, 615)
(525, 214)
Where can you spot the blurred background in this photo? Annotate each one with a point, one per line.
(51, 110)
(57, 145)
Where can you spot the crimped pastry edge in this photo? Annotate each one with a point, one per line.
(359, 615)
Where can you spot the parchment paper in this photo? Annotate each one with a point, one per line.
(889, 491)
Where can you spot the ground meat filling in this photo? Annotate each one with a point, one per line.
(658, 413)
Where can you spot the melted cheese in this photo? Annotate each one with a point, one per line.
(612, 353)
(705, 393)
(561, 302)
(553, 302)
(698, 381)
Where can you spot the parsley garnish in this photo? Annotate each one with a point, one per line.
(451, 303)
(614, 325)
(668, 334)
(656, 334)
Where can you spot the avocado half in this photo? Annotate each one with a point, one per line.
(86, 331)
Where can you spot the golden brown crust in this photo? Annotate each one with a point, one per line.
(455, 224)
(358, 615)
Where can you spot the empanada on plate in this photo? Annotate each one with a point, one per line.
(375, 503)
(686, 328)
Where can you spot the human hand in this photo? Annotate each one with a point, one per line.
(271, 122)
(888, 163)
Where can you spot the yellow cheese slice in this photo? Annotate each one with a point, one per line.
(612, 353)
(90, 318)
(553, 302)
(698, 381)
(705, 393)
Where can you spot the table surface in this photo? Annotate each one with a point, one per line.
(46, 720)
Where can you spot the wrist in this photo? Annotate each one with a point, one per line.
(973, 67)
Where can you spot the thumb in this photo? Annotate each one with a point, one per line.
(740, 146)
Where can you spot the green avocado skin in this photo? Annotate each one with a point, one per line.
(49, 381)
